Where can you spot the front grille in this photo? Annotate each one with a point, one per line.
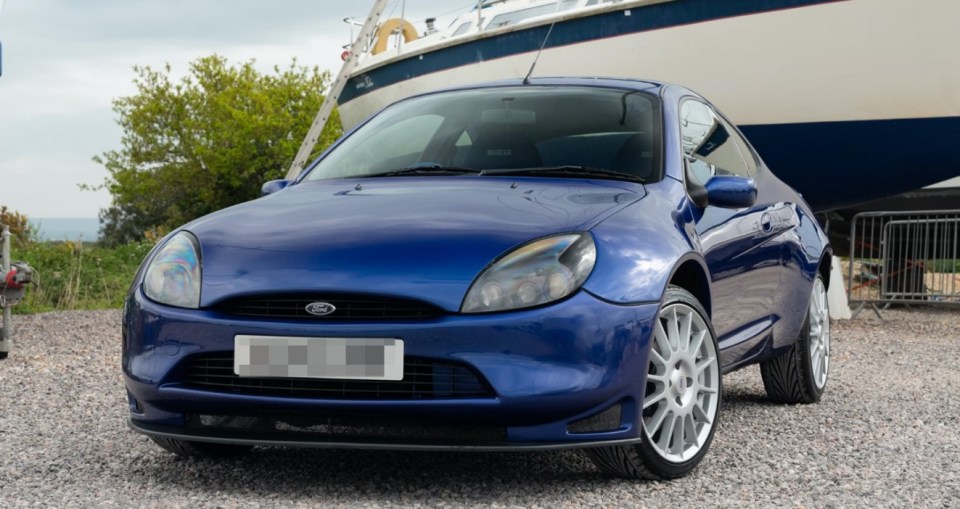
(314, 428)
(422, 379)
(348, 307)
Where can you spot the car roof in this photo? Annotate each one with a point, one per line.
(621, 83)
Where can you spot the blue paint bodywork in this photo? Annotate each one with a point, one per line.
(428, 238)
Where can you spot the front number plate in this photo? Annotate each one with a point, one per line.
(340, 358)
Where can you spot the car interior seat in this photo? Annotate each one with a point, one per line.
(497, 149)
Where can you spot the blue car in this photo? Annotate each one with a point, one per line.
(550, 264)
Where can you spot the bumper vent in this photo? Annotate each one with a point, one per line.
(608, 420)
(347, 307)
(422, 379)
(311, 428)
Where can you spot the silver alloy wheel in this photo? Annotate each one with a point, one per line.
(819, 316)
(683, 383)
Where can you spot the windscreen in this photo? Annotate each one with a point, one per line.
(505, 128)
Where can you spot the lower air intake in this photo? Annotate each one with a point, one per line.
(608, 420)
(422, 379)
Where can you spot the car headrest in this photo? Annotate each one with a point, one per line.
(636, 156)
(495, 150)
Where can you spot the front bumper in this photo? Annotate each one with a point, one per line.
(551, 371)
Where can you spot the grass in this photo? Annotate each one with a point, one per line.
(73, 275)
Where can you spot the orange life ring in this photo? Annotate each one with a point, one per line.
(388, 28)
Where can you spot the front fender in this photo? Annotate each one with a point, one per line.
(640, 247)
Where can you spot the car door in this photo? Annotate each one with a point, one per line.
(739, 245)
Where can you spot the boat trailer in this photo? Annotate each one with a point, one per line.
(14, 278)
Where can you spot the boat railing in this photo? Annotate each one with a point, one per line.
(482, 17)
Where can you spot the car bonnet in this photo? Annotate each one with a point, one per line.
(424, 238)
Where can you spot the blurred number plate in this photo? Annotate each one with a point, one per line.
(343, 358)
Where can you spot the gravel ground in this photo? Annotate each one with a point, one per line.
(885, 434)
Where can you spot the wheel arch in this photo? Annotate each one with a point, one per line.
(690, 273)
(826, 264)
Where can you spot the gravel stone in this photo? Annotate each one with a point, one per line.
(885, 434)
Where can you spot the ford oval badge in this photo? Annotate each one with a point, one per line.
(320, 308)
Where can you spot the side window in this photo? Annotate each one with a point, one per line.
(464, 140)
(463, 29)
(709, 144)
(595, 2)
(512, 18)
(393, 147)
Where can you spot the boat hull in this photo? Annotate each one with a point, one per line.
(865, 90)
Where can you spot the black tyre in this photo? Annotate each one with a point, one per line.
(799, 375)
(682, 398)
(4, 355)
(189, 449)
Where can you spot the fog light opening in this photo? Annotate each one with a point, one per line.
(135, 406)
(605, 421)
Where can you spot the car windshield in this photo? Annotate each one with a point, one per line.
(566, 130)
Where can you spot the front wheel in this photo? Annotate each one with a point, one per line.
(799, 375)
(681, 399)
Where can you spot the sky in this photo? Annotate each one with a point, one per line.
(64, 61)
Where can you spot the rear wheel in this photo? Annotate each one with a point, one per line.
(189, 449)
(682, 397)
(799, 375)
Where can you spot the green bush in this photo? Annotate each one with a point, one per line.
(18, 223)
(204, 140)
(71, 275)
(949, 266)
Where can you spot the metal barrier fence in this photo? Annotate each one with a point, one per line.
(6, 322)
(904, 257)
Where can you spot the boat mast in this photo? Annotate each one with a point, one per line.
(313, 135)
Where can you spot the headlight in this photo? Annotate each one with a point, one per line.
(173, 276)
(537, 273)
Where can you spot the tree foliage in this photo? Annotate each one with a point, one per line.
(19, 224)
(206, 141)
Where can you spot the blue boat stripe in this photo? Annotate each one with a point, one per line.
(855, 158)
(574, 31)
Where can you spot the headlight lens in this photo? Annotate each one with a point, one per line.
(537, 273)
(173, 276)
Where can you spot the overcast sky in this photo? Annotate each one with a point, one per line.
(64, 61)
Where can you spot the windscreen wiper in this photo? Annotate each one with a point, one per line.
(580, 171)
(424, 169)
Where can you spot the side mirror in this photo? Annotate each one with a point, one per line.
(274, 186)
(731, 191)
